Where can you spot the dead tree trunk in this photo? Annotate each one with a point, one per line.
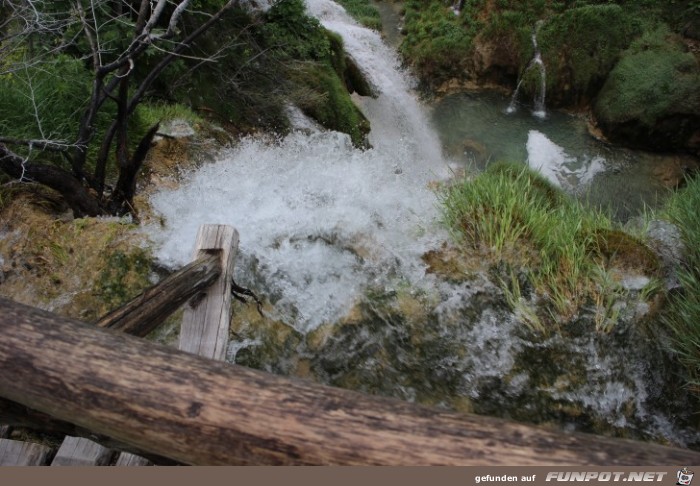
(200, 411)
(80, 200)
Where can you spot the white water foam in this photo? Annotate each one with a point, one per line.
(566, 171)
(320, 220)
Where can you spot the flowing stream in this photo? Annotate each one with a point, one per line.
(323, 225)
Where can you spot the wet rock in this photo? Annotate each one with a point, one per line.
(176, 128)
(355, 79)
(665, 240)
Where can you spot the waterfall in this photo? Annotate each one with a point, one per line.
(536, 62)
(319, 220)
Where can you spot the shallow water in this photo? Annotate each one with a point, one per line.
(475, 129)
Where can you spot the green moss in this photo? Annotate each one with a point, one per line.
(581, 46)
(124, 275)
(315, 64)
(438, 43)
(656, 79)
(323, 96)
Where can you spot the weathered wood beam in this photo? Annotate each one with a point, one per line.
(147, 311)
(200, 411)
(206, 321)
(19, 415)
(18, 453)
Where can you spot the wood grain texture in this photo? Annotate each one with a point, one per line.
(205, 323)
(200, 411)
(147, 311)
(77, 451)
(132, 460)
(18, 453)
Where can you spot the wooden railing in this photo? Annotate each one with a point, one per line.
(126, 392)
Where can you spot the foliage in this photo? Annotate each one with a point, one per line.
(581, 46)
(654, 80)
(682, 316)
(45, 101)
(516, 217)
(437, 41)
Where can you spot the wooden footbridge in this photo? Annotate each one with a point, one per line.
(126, 401)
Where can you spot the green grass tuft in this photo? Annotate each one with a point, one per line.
(515, 216)
(682, 316)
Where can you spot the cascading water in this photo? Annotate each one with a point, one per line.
(318, 219)
(324, 225)
(536, 62)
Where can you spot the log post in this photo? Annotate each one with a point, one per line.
(206, 320)
(147, 311)
(198, 411)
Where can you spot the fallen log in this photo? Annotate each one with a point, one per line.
(199, 411)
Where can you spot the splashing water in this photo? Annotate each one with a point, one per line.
(539, 110)
(318, 219)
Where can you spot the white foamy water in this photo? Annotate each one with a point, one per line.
(566, 171)
(320, 220)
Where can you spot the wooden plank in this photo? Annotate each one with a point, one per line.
(148, 310)
(199, 411)
(18, 453)
(128, 459)
(205, 329)
(77, 451)
(206, 321)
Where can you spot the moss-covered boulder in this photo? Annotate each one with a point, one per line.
(652, 97)
(580, 47)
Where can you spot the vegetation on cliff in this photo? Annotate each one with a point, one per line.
(74, 82)
(652, 93)
(584, 45)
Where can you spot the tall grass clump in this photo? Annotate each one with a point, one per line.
(682, 316)
(514, 215)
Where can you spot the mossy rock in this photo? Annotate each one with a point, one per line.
(621, 249)
(652, 98)
(322, 96)
(579, 48)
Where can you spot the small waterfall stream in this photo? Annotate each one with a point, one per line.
(539, 109)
